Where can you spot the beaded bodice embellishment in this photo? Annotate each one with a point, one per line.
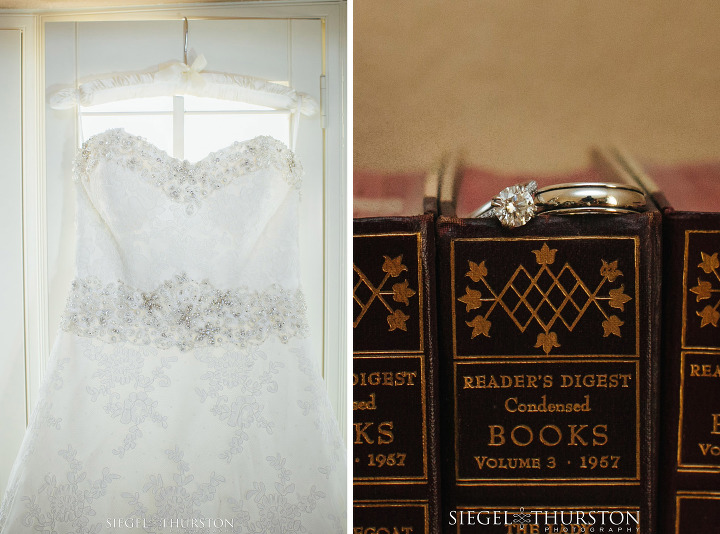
(183, 313)
(181, 180)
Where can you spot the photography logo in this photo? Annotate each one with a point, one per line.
(547, 521)
(521, 517)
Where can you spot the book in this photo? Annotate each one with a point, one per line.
(688, 196)
(549, 337)
(395, 437)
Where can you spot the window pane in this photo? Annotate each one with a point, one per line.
(208, 133)
(195, 103)
(159, 103)
(155, 128)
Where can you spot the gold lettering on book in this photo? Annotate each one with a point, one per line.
(507, 381)
(706, 290)
(369, 433)
(567, 309)
(611, 381)
(705, 371)
(401, 293)
(710, 449)
(507, 463)
(385, 378)
(549, 435)
(365, 405)
(602, 380)
(698, 445)
(512, 405)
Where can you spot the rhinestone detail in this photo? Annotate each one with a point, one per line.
(514, 206)
(181, 180)
(183, 313)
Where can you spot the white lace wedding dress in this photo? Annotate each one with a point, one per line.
(180, 396)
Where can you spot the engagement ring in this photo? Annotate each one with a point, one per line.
(514, 206)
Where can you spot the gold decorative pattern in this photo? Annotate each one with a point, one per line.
(577, 296)
(705, 289)
(401, 293)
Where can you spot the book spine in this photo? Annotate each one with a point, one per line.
(549, 373)
(395, 441)
(691, 379)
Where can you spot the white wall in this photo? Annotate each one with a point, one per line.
(12, 355)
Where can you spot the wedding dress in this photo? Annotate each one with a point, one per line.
(180, 396)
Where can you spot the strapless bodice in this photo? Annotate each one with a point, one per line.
(173, 253)
(145, 217)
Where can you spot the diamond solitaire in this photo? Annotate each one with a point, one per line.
(515, 205)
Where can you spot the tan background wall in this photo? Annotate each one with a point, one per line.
(529, 85)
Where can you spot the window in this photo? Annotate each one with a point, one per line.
(187, 127)
(287, 50)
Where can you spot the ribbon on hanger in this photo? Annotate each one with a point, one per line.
(178, 72)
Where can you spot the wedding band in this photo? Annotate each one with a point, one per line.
(514, 206)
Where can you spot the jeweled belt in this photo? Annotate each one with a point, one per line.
(184, 313)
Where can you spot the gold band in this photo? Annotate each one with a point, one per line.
(590, 197)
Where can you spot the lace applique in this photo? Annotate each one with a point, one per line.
(127, 390)
(280, 506)
(181, 180)
(177, 502)
(61, 505)
(182, 312)
(238, 391)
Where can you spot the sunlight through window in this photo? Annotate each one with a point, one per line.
(187, 127)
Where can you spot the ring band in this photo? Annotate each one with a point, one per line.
(514, 206)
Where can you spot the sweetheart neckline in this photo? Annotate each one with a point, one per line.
(184, 181)
(122, 132)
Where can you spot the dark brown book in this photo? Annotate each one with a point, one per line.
(395, 438)
(548, 357)
(689, 197)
